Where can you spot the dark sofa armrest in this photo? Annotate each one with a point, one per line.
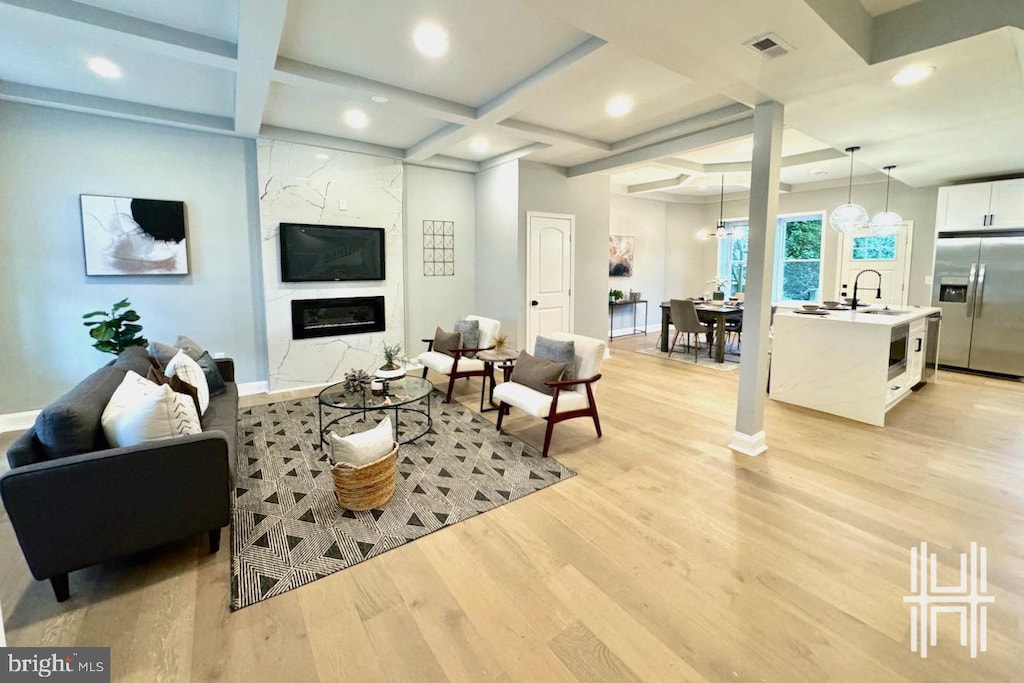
(227, 368)
(73, 512)
(25, 450)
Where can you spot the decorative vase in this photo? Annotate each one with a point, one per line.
(718, 295)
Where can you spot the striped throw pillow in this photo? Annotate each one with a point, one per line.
(187, 370)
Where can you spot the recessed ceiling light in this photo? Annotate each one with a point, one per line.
(620, 105)
(104, 67)
(321, 155)
(356, 118)
(430, 39)
(913, 74)
(818, 171)
(379, 99)
(479, 145)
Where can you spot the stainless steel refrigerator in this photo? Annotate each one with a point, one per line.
(979, 284)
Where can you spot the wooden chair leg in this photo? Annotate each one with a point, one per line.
(214, 536)
(451, 387)
(425, 368)
(673, 345)
(61, 588)
(502, 409)
(593, 406)
(547, 438)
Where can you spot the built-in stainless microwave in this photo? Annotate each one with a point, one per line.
(898, 342)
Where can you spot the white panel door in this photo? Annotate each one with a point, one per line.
(549, 268)
(888, 254)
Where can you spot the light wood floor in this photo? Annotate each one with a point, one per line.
(668, 558)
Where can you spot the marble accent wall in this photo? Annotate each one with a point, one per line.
(303, 184)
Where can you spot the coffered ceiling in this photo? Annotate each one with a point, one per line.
(533, 78)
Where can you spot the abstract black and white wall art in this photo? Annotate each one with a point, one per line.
(438, 248)
(126, 236)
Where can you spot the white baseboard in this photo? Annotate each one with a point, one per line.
(16, 422)
(748, 444)
(250, 388)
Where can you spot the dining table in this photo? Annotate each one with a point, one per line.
(714, 314)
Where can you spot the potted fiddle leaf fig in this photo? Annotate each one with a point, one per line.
(118, 330)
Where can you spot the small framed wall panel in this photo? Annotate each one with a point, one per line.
(438, 248)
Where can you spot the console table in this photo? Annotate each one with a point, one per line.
(612, 305)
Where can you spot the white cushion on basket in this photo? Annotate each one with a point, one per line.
(534, 402)
(442, 362)
(187, 370)
(140, 410)
(364, 448)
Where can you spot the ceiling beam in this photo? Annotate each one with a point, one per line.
(138, 33)
(301, 74)
(657, 185)
(925, 25)
(105, 106)
(673, 164)
(551, 135)
(704, 138)
(259, 35)
(793, 160)
(506, 104)
(329, 142)
(717, 117)
(512, 156)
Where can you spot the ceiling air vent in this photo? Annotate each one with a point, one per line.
(769, 46)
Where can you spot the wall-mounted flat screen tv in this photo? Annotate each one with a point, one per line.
(331, 253)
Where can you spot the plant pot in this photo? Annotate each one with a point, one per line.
(390, 372)
(718, 296)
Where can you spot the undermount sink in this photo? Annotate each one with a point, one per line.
(882, 311)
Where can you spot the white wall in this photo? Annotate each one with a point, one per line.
(645, 220)
(49, 157)
(297, 187)
(500, 275)
(546, 188)
(689, 262)
(434, 194)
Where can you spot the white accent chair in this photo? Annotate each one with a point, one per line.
(567, 401)
(458, 364)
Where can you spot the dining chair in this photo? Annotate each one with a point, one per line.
(684, 318)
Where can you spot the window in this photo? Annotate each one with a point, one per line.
(797, 268)
(874, 248)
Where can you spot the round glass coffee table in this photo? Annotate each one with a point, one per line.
(401, 396)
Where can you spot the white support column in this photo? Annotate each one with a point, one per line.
(749, 437)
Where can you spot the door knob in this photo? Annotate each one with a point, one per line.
(534, 302)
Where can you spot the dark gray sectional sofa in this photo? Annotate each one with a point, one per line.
(74, 501)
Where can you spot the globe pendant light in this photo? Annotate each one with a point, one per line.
(887, 222)
(849, 217)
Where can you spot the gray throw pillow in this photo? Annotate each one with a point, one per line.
(191, 349)
(163, 353)
(212, 372)
(71, 424)
(134, 358)
(470, 331)
(534, 372)
(444, 342)
(557, 352)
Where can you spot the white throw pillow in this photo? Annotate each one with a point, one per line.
(187, 370)
(140, 410)
(365, 447)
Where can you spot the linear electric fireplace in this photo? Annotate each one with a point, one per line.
(332, 317)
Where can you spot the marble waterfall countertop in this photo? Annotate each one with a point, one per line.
(864, 315)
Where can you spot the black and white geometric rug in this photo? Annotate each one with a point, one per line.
(287, 528)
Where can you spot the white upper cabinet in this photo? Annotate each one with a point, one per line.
(998, 204)
(1007, 204)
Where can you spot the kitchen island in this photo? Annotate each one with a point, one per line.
(855, 364)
